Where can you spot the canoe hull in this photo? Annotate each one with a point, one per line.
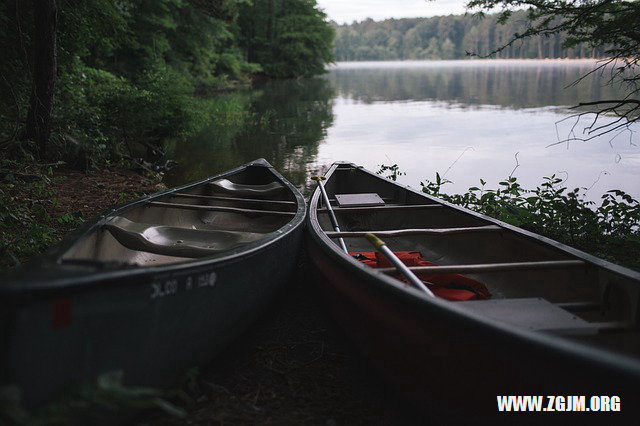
(451, 367)
(153, 329)
(451, 361)
(151, 323)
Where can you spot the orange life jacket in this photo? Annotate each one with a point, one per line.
(453, 287)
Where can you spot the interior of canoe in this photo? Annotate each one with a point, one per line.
(533, 284)
(201, 220)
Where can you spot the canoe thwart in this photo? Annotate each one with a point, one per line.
(339, 209)
(493, 267)
(174, 241)
(260, 191)
(202, 207)
(234, 199)
(406, 232)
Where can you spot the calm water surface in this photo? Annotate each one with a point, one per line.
(464, 119)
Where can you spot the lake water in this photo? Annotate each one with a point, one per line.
(464, 119)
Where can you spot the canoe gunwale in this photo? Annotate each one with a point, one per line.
(407, 232)
(380, 282)
(198, 207)
(127, 274)
(588, 258)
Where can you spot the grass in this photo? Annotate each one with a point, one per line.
(27, 226)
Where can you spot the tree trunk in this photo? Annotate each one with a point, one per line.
(270, 23)
(44, 73)
(540, 56)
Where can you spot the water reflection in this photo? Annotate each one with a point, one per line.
(284, 122)
(512, 84)
(463, 119)
(467, 120)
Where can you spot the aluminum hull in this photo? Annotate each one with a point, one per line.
(74, 315)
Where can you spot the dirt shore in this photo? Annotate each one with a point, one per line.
(92, 194)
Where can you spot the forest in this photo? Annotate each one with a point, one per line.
(89, 82)
(450, 37)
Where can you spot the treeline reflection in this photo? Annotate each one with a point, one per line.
(509, 84)
(283, 121)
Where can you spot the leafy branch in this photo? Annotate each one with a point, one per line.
(611, 24)
(610, 230)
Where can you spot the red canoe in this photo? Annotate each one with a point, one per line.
(558, 322)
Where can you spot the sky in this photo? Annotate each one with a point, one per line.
(346, 11)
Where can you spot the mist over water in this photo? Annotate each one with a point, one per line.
(464, 119)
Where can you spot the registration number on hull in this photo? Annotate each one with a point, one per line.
(172, 286)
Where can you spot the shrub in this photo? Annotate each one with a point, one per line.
(610, 230)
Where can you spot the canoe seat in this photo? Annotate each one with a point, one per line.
(260, 191)
(174, 241)
(359, 200)
(533, 313)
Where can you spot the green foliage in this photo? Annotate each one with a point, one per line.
(127, 73)
(223, 116)
(393, 172)
(451, 37)
(288, 118)
(288, 38)
(101, 113)
(610, 230)
(98, 402)
(26, 226)
(184, 37)
(595, 23)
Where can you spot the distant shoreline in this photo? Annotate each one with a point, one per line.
(444, 62)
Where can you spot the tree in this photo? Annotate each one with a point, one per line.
(432, 51)
(447, 49)
(611, 24)
(38, 126)
(288, 38)
(83, 78)
(409, 38)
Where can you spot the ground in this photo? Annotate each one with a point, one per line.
(92, 194)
